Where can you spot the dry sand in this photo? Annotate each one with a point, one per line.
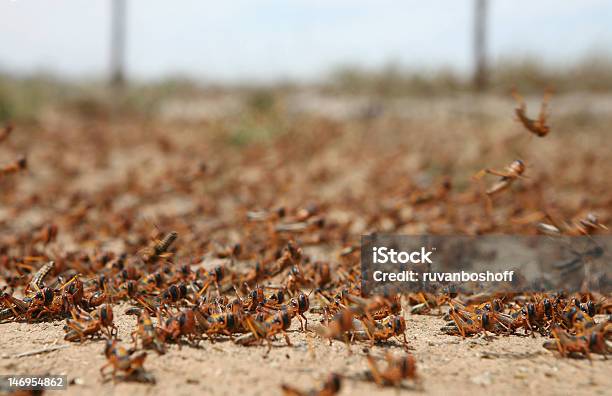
(446, 364)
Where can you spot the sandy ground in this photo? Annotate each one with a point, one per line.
(503, 365)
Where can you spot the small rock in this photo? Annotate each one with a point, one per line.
(77, 381)
(482, 379)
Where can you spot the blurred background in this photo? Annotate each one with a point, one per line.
(267, 103)
(50, 50)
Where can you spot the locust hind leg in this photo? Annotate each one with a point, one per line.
(374, 371)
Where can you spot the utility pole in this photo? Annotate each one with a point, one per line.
(481, 77)
(118, 27)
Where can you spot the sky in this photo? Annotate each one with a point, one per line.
(266, 40)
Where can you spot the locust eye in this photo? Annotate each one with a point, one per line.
(48, 293)
(219, 273)
(485, 320)
(336, 382)
(531, 309)
(404, 365)
(590, 308)
(104, 315)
